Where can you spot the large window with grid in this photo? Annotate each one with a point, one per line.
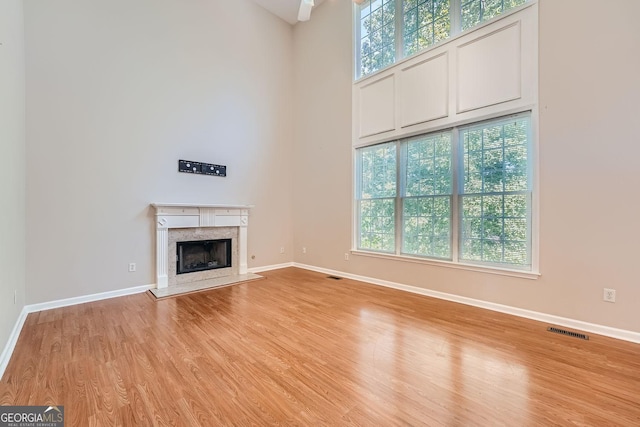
(389, 30)
(462, 195)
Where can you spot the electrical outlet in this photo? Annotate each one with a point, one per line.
(346, 256)
(281, 249)
(15, 297)
(304, 250)
(132, 267)
(609, 295)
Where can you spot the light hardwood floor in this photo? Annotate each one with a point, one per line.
(301, 349)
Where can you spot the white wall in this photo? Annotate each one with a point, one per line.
(588, 165)
(322, 148)
(12, 169)
(117, 92)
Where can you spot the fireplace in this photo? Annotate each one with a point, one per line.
(183, 223)
(201, 255)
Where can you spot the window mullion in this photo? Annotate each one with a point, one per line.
(358, 188)
(400, 191)
(455, 14)
(456, 219)
(399, 30)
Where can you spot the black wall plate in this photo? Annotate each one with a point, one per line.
(187, 166)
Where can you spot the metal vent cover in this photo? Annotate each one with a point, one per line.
(568, 333)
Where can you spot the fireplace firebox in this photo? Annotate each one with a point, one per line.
(203, 255)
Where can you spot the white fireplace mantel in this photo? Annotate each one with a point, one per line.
(181, 215)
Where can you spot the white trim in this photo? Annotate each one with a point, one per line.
(199, 205)
(13, 340)
(87, 298)
(271, 267)
(177, 215)
(607, 331)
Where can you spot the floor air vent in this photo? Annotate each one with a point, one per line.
(334, 277)
(568, 333)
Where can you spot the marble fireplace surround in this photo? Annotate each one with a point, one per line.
(175, 221)
(201, 233)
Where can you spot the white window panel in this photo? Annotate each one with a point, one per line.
(489, 69)
(424, 91)
(377, 107)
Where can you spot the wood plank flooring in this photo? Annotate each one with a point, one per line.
(301, 349)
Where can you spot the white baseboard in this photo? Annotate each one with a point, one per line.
(33, 308)
(87, 298)
(13, 340)
(620, 334)
(271, 267)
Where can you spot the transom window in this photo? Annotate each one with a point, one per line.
(377, 45)
(389, 30)
(461, 195)
(425, 22)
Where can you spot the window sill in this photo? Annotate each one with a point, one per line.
(531, 275)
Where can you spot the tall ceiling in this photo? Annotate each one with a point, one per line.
(285, 9)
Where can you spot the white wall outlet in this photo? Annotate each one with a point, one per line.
(609, 295)
(281, 249)
(346, 256)
(15, 296)
(132, 267)
(304, 250)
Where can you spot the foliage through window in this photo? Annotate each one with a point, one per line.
(389, 30)
(406, 188)
(377, 35)
(425, 22)
(376, 197)
(496, 193)
(473, 12)
(426, 202)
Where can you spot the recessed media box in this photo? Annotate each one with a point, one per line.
(188, 166)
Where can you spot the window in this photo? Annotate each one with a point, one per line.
(425, 22)
(426, 197)
(408, 192)
(376, 197)
(495, 193)
(473, 12)
(377, 35)
(389, 30)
